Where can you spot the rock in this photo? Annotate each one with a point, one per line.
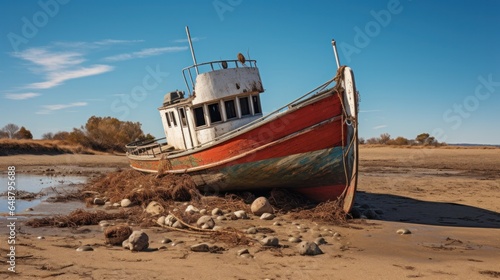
(154, 208)
(270, 241)
(294, 239)
(138, 241)
(309, 248)
(85, 248)
(178, 224)
(403, 231)
(203, 211)
(252, 230)
(355, 213)
(126, 244)
(29, 209)
(320, 241)
(241, 214)
(277, 224)
(104, 223)
(260, 206)
(216, 212)
(267, 216)
(166, 240)
(217, 228)
(116, 204)
(115, 235)
(99, 201)
(40, 237)
(221, 218)
(230, 216)
(191, 209)
(161, 220)
(175, 243)
(125, 202)
(205, 222)
(170, 220)
(202, 247)
(242, 251)
(336, 234)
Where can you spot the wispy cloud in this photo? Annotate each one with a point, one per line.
(144, 53)
(21, 96)
(193, 39)
(379, 126)
(47, 109)
(95, 44)
(58, 67)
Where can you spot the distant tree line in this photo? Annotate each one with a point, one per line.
(99, 133)
(423, 139)
(13, 131)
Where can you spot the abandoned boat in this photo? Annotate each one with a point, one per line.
(218, 134)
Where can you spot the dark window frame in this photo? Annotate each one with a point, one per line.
(214, 115)
(168, 119)
(172, 116)
(257, 109)
(198, 117)
(183, 118)
(246, 101)
(230, 112)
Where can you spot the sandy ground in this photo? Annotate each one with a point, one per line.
(448, 198)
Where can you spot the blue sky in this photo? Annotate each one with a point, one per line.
(420, 66)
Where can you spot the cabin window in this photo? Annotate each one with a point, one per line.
(168, 120)
(230, 109)
(245, 109)
(174, 120)
(199, 116)
(214, 113)
(256, 105)
(183, 117)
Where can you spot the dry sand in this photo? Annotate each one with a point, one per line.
(448, 198)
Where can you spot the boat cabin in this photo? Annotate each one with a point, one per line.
(222, 96)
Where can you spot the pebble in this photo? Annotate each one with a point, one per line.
(205, 222)
(276, 224)
(99, 201)
(170, 220)
(403, 231)
(154, 208)
(216, 212)
(166, 240)
(217, 228)
(241, 214)
(175, 243)
(336, 234)
(320, 241)
(161, 220)
(309, 248)
(85, 248)
(267, 216)
(29, 209)
(116, 204)
(191, 209)
(270, 241)
(104, 223)
(40, 237)
(203, 211)
(260, 206)
(202, 247)
(252, 230)
(221, 218)
(294, 239)
(125, 202)
(137, 241)
(242, 252)
(178, 224)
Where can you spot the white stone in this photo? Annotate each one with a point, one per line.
(309, 248)
(138, 241)
(267, 216)
(260, 206)
(240, 214)
(125, 202)
(154, 208)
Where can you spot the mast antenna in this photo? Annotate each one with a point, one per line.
(192, 50)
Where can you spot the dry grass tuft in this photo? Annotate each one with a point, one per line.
(37, 147)
(330, 211)
(77, 218)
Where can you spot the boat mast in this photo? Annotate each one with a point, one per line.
(335, 53)
(192, 50)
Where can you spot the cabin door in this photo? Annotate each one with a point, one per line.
(186, 132)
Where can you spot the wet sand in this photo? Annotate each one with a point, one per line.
(448, 198)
